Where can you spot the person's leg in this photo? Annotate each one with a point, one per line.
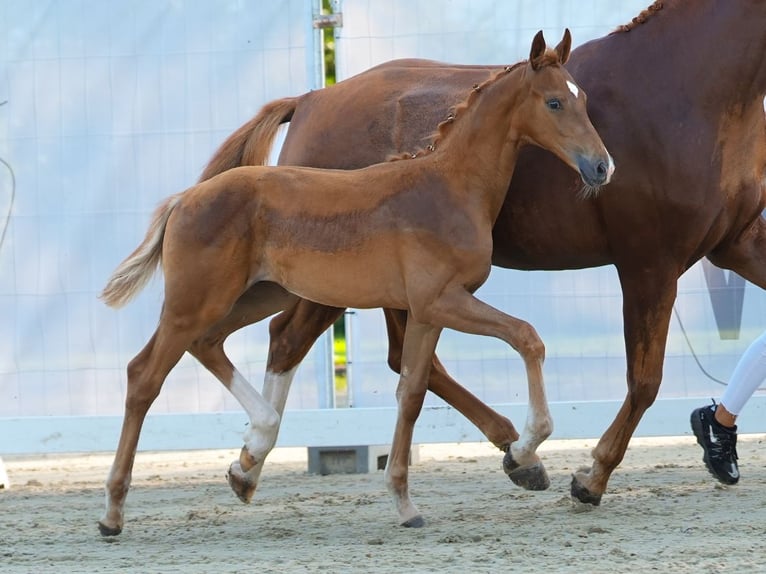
(748, 375)
(715, 425)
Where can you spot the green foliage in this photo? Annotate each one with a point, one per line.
(339, 348)
(339, 356)
(328, 38)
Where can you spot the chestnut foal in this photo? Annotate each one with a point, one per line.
(414, 235)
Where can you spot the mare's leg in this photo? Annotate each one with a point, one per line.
(647, 307)
(460, 310)
(497, 428)
(419, 346)
(294, 331)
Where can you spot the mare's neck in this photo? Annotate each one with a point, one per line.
(481, 148)
(705, 51)
(727, 47)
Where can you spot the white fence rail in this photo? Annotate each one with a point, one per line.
(336, 427)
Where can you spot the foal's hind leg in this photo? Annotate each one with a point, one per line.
(460, 310)
(285, 356)
(146, 373)
(264, 411)
(419, 346)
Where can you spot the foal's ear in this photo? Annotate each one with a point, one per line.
(537, 50)
(564, 47)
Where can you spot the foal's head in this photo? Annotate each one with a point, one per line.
(553, 114)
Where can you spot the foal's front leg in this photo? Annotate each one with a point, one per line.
(460, 310)
(419, 346)
(498, 429)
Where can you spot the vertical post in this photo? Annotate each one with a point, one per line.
(337, 8)
(328, 338)
(315, 59)
(329, 335)
(349, 317)
(316, 63)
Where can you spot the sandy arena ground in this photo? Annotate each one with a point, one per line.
(663, 512)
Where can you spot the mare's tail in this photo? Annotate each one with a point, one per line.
(251, 143)
(132, 274)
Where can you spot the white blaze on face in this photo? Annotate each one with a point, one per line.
(764, 104)
(575, 90)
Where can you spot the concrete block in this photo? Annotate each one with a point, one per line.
(360, 459)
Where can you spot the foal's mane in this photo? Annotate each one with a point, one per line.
(642, 17)
(444, 127)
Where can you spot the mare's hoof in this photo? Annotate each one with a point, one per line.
(414, 522)
(108, 530)
(532, 477)
(239, 482)
(581, 493)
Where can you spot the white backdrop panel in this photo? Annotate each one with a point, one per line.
(110, 107)
(466, 31)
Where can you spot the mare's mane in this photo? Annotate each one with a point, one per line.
(547, 59)
(442, 130)
(656, 6)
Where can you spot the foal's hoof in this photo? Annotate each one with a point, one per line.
(414, 522)
(108, 530)
(240, 483)
(532, 477)
(580, 492)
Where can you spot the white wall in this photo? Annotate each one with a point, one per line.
(467, 31)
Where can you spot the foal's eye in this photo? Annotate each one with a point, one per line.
(553, 104)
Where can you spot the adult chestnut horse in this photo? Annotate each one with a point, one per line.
(678, 97)
(414, 235)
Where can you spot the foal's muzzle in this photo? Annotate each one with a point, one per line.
(596, 172)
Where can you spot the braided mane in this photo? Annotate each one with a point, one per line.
(445, 126)
(642, 17)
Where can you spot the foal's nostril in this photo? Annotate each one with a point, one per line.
(593, 171)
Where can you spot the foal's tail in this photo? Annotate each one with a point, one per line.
(132, 274)
(251, 143)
